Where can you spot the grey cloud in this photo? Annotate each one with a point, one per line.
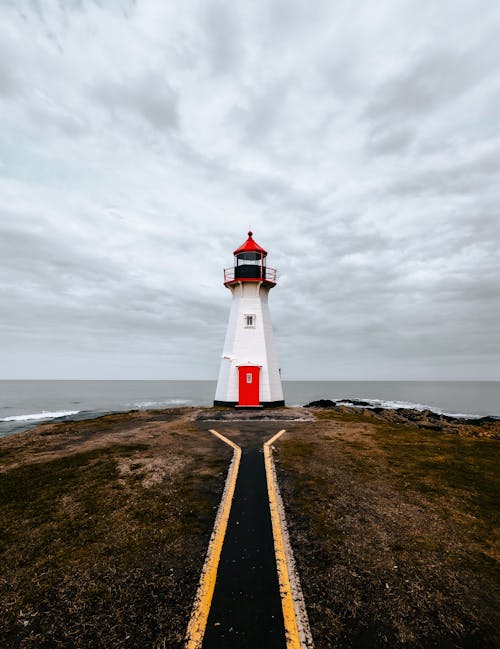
(470, 176)
(260, 112)
(39, 258)
(11, 63)
(8, 85)
(393, 141)
(70, 124)
(223, 36)
(275, 190)
(437, 76)
(288, 20)
(63, 291)
(150, 97)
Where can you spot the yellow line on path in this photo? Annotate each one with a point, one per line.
(297, 632)
(203, 599)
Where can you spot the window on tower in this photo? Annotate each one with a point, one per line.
(249, 319)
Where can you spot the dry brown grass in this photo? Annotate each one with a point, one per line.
(105, 525)
(395, 532)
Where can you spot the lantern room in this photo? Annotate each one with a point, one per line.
(250, 264)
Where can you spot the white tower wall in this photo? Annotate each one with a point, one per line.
(249, 345)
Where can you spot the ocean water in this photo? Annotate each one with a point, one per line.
(24, 404)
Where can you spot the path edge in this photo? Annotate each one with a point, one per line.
(203, 598)
(297, 629)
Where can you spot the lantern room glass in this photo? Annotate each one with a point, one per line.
(250, 264)
(249, 259)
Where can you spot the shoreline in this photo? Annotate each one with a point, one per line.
(487, 426)
(422, 416)
(23, 404)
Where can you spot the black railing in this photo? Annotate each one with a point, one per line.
(248, 271)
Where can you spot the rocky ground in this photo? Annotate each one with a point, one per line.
(393, 519)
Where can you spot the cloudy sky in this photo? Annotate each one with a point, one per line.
(140, 140)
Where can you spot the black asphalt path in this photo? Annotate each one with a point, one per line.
(246, 607)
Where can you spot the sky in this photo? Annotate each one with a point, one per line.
(140, 140)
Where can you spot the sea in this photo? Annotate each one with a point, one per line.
(25, 404)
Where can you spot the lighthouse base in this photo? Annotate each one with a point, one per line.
(263, 404)
(249, 407)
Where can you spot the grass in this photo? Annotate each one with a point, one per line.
(445, 462)
(395, 531)
(91, 557)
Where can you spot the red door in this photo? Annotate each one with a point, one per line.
(248, 385)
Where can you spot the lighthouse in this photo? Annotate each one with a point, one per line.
(249, 374)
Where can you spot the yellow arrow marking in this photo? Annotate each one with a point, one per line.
(203, 599)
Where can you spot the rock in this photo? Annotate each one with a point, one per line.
(321, 403)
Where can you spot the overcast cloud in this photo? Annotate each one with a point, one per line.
(139, 140)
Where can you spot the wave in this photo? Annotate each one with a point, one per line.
(144, 405)
(394, 405)
(41, 415)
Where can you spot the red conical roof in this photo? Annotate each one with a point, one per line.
(250, 246)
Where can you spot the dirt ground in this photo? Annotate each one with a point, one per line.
(104, 529)
(394, 529)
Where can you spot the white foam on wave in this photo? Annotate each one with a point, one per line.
(41, 415)
(394, 405)
(391, 405)
(144, 405)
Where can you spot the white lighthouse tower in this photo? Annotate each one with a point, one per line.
(249, 374)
